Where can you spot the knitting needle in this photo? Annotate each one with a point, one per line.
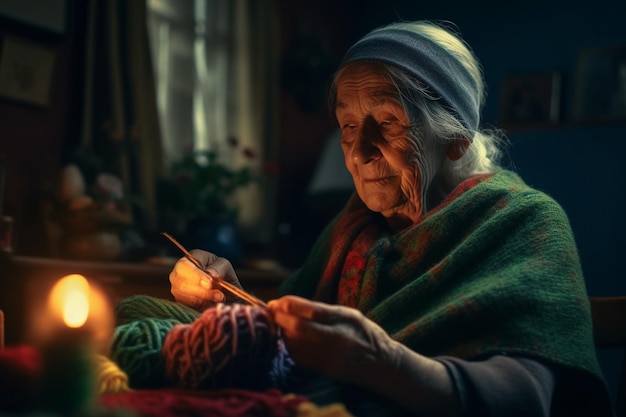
(234, 290)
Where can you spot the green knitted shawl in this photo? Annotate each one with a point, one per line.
(492, 270)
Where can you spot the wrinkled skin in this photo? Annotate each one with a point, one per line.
(334, 340)
(377, 150)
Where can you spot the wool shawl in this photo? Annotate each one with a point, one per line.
(492, 270)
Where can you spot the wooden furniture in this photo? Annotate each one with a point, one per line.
(25, 281)
(609, 331)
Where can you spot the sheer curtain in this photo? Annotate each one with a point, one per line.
(215, 66)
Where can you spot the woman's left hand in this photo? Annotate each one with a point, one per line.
(337, 341)
(341, 343)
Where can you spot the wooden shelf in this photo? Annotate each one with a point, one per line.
(26, 280)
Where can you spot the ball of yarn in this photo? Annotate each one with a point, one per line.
(136, 348)
(137, 307)
(111, 379)
(229, 345)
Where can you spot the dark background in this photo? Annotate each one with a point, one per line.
(579, 161)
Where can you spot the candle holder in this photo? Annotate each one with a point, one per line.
(71, 328)
(68, 383)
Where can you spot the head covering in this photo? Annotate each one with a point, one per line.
(444, 75)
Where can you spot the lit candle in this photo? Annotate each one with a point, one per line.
(76, 321)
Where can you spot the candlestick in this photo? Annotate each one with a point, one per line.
(76, 321)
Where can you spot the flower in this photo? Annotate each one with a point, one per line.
(201, 184)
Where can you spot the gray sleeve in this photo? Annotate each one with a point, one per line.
(502, 386)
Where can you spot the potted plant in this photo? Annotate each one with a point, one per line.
(197, 200)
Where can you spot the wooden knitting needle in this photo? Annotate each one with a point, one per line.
(234, 290)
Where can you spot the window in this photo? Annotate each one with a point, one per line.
(191, 44)
(216, 76)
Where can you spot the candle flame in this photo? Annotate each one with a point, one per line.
(70, 298)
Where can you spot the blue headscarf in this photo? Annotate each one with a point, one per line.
(442, 73)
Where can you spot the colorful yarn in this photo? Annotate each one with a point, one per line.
(229, 345)
(137, 307)
(161, 343)
(136, 348)
(111, 379)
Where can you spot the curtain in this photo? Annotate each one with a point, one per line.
(165, 77)
(216, 75)
(120, 124)
(255, 118)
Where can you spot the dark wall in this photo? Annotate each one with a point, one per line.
(313, 38)
(33, 138)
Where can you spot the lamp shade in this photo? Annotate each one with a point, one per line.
(331, 184)
(330, 172)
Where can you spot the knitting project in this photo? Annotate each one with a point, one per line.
(228, 345)
(161, 343)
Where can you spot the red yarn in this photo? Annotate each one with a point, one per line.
(229, 402)
(229, 345)
(20, 376)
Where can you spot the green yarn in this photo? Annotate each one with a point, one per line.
(136, 349)
(224, 346)
(142, 323)
(138, 307)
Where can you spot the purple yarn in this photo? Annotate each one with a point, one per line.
(229, 345)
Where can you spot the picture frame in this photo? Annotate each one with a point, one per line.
(46, 15)
(26, 71)
(531, 99)
(600, 84)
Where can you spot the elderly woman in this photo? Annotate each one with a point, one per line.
(446, 286)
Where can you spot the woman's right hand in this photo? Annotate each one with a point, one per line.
(192, 287)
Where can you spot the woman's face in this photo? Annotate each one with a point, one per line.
(377, 150)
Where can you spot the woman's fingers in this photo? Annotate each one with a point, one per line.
(303, 319)
(191, 286)
(293, 305)
(333, 340)
(195, 287)
(202, 256)
(307, 309)
(221, 269)
(195, 296)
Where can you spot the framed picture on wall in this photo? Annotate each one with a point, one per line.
(47, 15)
(600, 84)
(26, 71)
(531, 99)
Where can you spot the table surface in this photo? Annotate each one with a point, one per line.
(26, 280)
